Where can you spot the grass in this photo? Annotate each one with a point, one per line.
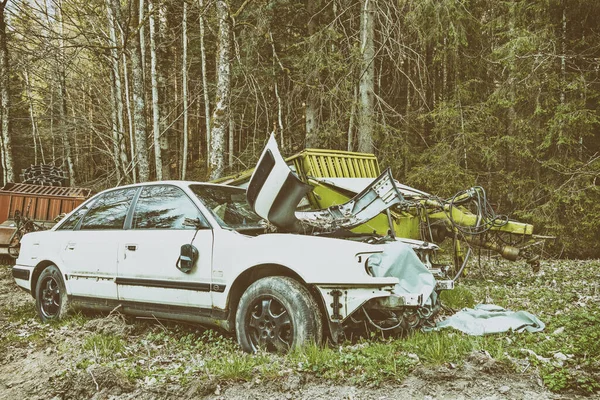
(21, 312)
(565, 296)
(104, 346)
(458, 298)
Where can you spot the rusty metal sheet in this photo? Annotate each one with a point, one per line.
(41, 211)
(5, 234)
(16, 204)
(58, 191)
(54, 208)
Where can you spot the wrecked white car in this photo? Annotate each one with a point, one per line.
(207, 254)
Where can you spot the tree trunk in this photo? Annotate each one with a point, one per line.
(134, 166)
(52, 141)
(277, 96)
(141, 23)
(161, 54)
(220, 116)
(184, 90)
(7, 156)
(231, 141)
(116, 9)
(139, 105)
(311, 105)
(351, 120)
(115, 129)
(155, 102)
(34, 133)
(204, 84)
(367, 79)
(63, 101)
(119, 149)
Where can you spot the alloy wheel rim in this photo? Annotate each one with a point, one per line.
(50, 297)
(270, 325)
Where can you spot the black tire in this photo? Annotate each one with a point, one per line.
(51, 300)
(277, 314)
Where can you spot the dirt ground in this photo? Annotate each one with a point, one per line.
(41, 369)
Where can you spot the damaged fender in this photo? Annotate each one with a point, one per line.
(414, 288)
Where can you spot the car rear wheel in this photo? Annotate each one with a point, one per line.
(51, 295)
(277, 314)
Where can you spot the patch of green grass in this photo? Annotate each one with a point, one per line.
(84, 364)
(366, 361)
(238, 366)
(21, 312)
(104, 346)
(73, 319)
(458, 298)
(313, 358)
(438, 347)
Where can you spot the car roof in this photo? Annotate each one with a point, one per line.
(172, 182)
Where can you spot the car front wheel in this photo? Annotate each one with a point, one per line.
(51, 295)
(277, 314)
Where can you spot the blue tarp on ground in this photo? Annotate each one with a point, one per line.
(489, 318)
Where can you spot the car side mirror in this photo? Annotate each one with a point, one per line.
(187, 258)
(196, 223)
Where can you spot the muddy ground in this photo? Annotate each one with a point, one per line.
(36, 363)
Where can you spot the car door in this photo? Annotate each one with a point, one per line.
(162, 221)
(89, 253)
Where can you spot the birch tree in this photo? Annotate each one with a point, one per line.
(115, 6)
(62, 94)
(118, 136)
(139, 106)
(33, 120)
(155, 102)
(204, 83)
(220, 116)
(367, 78)
(312, 95)
(7, 156)
(184, 90)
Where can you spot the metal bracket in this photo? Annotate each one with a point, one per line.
(336, 305)
(444, 285)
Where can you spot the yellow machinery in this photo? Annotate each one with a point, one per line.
(337, 176)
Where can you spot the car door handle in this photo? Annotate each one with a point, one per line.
(131, 247)
(71, 246)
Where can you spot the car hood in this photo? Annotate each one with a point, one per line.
(274, 193)
(328, 261)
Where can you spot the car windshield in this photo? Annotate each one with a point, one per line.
(229, 206)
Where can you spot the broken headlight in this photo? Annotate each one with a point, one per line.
(372, 262)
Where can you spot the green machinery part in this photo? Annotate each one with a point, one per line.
(422, 217)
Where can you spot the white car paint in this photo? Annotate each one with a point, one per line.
(96, 263)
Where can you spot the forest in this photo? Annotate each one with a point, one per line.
(449, 93)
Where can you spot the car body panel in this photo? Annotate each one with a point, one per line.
(137, 267)
(91, 268)
(147, 267)
(315, 259)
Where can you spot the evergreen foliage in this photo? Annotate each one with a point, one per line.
(474, 92)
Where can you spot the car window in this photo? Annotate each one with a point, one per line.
(72, 221)
(228, 205)
(109, 210)
(165, 207)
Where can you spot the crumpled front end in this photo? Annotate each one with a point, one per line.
(412, 302)
(402, 292)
